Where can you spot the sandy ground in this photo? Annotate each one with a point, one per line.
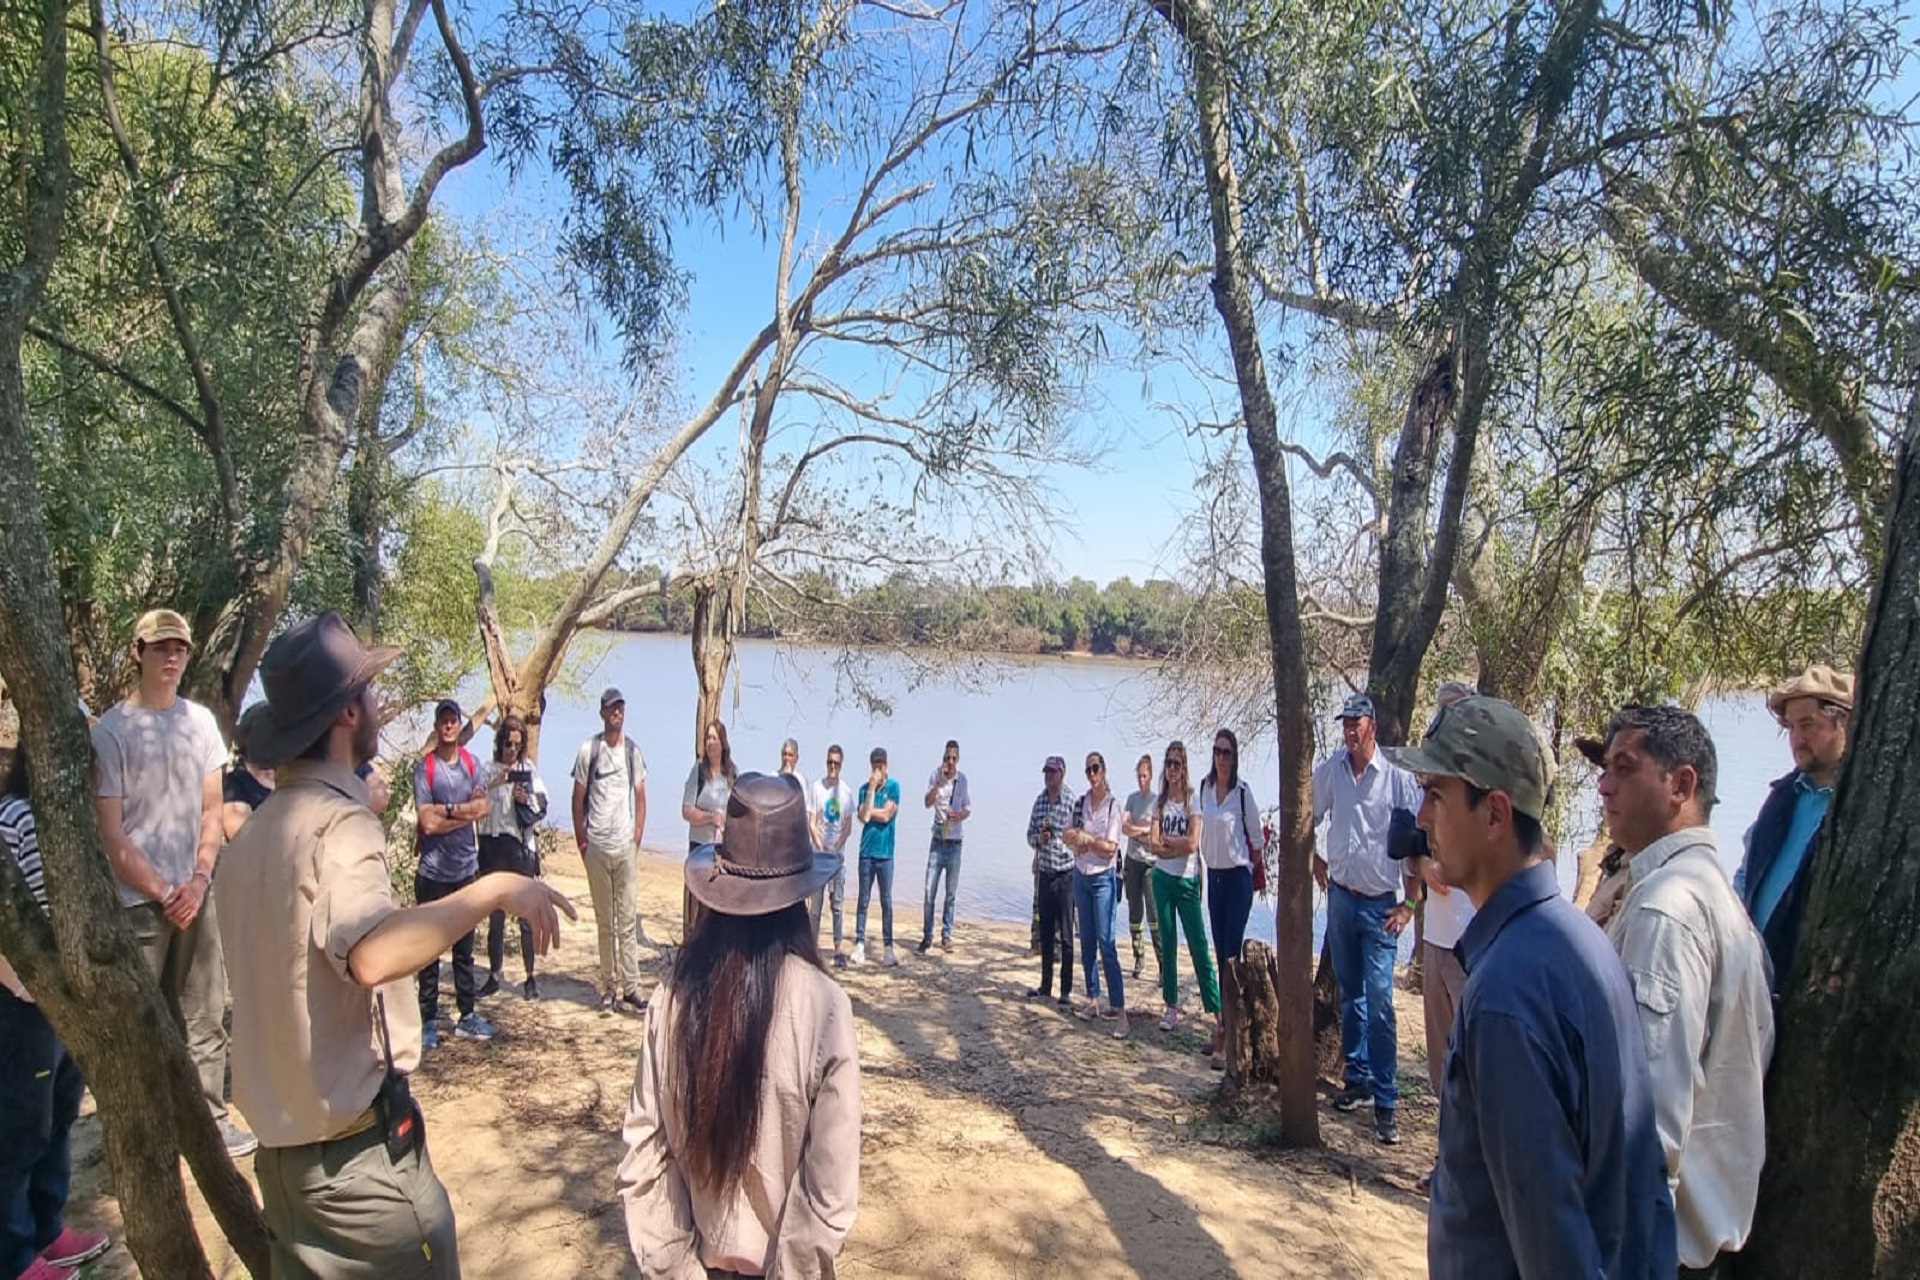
(1002, 1138)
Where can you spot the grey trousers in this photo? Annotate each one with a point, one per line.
(346, 1210)
(192, 973)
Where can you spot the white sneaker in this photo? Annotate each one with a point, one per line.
(892, 959)
(859, 953)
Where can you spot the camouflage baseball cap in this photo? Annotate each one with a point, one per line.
(1491, 744)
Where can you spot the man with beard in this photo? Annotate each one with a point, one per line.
(320, 1053)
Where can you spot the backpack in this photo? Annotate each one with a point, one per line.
(1257, 857)
(466, 762)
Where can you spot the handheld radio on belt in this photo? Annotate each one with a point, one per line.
(401, 1122)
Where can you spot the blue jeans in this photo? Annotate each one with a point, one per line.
(40, 1089)
(1363, 956)
(942, 855)
(1093, 899)
(1229, 903)
(872, 869)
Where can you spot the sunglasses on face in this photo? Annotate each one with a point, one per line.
(833, 762)
(1095, 767)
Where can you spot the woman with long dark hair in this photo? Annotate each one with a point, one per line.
(1175, 842)
(704, 801)
(743, 1131)
(510, 841)
(1230, 839)
(40, 1088)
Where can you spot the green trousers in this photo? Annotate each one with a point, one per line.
(1178, 897)
(346, 1210)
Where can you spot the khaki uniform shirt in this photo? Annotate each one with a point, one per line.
(795, 1204)
(304, 881)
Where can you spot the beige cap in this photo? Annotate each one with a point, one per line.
(162, 624)
(1820, 682)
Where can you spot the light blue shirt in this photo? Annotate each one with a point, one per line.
(1357, 811)
(1809, 808)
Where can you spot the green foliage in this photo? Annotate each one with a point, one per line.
(233, 178)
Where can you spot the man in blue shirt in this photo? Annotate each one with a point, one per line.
(449, 796)
(1813, 708)
(1550, 1163)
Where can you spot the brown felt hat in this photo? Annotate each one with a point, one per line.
(310, 674)
(766, 859)
(1820, 682)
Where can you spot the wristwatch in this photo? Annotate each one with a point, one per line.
(449, 809)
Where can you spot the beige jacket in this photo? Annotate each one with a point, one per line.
(795, 1205)
(1699, 975)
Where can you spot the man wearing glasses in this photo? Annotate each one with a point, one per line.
(947, 796)
(828, 806)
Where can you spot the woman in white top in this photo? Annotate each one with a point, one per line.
(1230, 838)
(743, 1130)
(1175, 842)
(1099, 821)
(508, 844)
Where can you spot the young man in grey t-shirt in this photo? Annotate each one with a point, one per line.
(158, 761)
(609, 819)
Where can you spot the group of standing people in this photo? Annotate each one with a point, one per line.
(1153, 848)
(1600, 1077)
(1602, 1094)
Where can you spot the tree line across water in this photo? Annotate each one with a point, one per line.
(1123, 618)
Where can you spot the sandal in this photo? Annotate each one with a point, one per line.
(1120, 1031)
(1172, 1019)
(1088, 1011)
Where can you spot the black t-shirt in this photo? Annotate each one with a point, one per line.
(241, 787)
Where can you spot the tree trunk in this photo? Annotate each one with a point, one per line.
(712, 638)
(83, 964)
(1840, 1192)
(1197, 26)
(367, 521)
(1250, 1017)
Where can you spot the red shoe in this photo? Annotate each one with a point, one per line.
(72, 1247)
(41, 1269)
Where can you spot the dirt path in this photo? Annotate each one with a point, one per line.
(1003, 1138)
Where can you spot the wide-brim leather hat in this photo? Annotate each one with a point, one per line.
(310, 674)
(765, 860)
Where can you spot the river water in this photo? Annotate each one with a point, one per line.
(1008, 719)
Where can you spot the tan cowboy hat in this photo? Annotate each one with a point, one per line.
(310, 674)
(766, 860)
(1820, 682)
